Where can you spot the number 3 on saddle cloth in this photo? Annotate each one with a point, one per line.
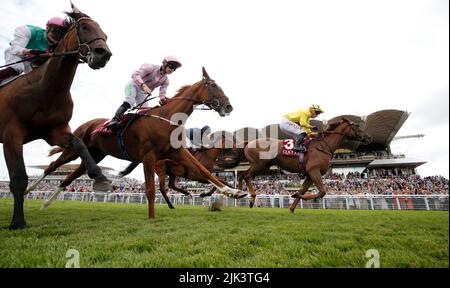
(288, 150)
(125, 121)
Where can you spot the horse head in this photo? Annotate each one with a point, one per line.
(213, 96)
(353, 131)
(86, 38)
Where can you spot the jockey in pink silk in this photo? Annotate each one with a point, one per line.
(143, 82)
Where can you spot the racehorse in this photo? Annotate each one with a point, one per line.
(207, 156)
(149, 138)
(38, 105)
(316, 160)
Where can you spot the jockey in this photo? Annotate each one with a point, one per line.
(195, 136)
(143, 82)
(297, 125)
(31, 41)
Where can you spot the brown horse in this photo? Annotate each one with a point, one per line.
(207, 156)
(264, 153)
(152, 136)
(38, 105)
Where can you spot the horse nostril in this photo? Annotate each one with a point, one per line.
(228, 108)
(99, 51)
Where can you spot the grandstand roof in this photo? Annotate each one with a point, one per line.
(400, 162)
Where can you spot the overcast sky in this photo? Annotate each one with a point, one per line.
(270, 57)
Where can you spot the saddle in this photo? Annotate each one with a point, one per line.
(125, 121)
(9, 80)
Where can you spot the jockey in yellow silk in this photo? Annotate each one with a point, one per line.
(296, 124)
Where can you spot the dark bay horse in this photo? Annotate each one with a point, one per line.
(316, 160)
(207, 156)
(151, 137)
(38, 105)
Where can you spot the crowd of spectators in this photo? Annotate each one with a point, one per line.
(286, 184)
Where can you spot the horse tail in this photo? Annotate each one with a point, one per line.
(55, 150)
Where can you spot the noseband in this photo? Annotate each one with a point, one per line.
(83, 56)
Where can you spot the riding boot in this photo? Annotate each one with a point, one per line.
(113, 125)
(7, 72)
(298, 143)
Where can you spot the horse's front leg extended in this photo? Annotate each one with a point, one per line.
(191, 163)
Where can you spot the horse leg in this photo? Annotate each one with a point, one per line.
(128, 169)
(160, 169)
(13, 151)
(81, 169)
(62, 137)
(172, 185)
(66, 182)
(203, 194)
(191, 163)
(316, 178)
(67, 156)
(254, 169)
(149, 172)
(306, 184)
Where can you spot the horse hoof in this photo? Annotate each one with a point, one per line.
(252, 204)
(295, 195)
(44, 206)
(292, 210)
(103, 186)
(241, 196)
(18, 225)
(202, 195)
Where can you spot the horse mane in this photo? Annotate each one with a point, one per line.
(332, 126)
(72, 17)
(182, 89)
(179, 93)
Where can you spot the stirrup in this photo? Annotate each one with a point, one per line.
(300, 149)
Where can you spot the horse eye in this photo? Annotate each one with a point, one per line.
(214, 85)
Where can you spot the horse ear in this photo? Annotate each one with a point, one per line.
(205, 74)
(74, 8)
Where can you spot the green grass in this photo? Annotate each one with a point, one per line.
(119, 235)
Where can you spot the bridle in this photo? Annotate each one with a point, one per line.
(83, 56)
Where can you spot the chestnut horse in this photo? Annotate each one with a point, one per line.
(316, 160)
(207, 156)
(152, 136)
(38, 105)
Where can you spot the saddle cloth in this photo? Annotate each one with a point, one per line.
(124, 119)
(288, 147)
